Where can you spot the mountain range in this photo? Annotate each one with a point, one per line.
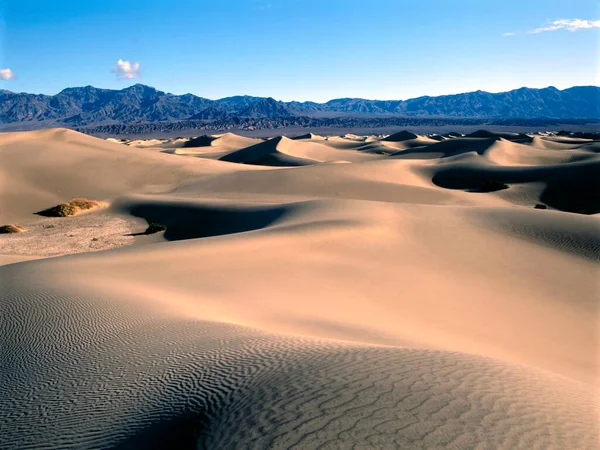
(139, 104)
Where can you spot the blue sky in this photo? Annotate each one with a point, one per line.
(299, 49)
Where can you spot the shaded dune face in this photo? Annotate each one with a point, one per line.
(452, 147)
(348, 292)
(186, 220)
(269, 153)
(573, 188)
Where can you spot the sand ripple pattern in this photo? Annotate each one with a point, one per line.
(83, 371)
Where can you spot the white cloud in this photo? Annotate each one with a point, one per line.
(7, 74)
(126, 70)
(563, 24)
(567, 24)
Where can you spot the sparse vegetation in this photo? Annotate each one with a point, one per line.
(94, 239)
(70, 208)
(491, 186)
(155, 227)
(84, 203)
(540, 206)
(11, 228)
(60, 210)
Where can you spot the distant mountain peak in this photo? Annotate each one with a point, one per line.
(267, 107)
(138, 87)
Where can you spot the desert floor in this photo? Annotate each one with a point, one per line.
(341, 292)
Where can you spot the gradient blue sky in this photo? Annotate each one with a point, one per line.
(299, 49)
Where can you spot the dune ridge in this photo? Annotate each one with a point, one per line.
(295, 301)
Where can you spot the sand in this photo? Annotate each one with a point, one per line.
(315, 292)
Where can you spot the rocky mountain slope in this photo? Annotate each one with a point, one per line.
(140, 104)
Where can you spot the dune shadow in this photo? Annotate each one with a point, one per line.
(179, 433)
(266, 154)
(571, 188)
(401, 136)
(444, 149)
(190, 221)
(200, 141)
(141, 233)
(578, 196)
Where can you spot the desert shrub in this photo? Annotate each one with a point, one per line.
(491, 186)
(11, 228)
(70, 208)
(60, 210)
(155, 227)
(540, 206)
(83, 203)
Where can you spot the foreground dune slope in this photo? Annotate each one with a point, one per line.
(146, 345)
(130, 366)
(334, 305)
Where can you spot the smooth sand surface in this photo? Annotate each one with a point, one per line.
(314, 292)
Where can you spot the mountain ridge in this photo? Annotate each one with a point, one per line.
(91, 106)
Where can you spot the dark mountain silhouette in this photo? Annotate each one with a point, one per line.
(139, 104)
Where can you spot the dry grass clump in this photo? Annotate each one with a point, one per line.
(70, 208)
(84, 203)
(11, 228)
(61, 210)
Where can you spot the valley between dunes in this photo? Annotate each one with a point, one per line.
(308, 292)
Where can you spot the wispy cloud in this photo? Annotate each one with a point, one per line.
(7, 74)
(563, 24)
(568, 24)
(126, 70)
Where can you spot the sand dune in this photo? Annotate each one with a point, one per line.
(515, 137)
(401, 136)
(297, 302)
(42, 168)
(282, 151)
(227, 141)
(277, 151)
(311, 136)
